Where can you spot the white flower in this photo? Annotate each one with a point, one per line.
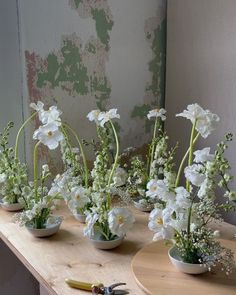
(51, 115)
(159, 222)
(152, 189)
(91, 219)
(216, 234)
(120, 220)
(194, 175)
(205, 120)
(93, 116)
(3, 177)
(104, 117)
(37, 107)
(78, 199)
(49, 135)
(193, 112)
(120, 176)
(161, 191)
(157, 113)
(182, 197)
(207, 123)
(203, 155)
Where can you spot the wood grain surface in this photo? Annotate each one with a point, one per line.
(156, 275)
(68, 254)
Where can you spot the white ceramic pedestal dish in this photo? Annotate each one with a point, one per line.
(143, 207)
(106, 245)
(12, 207)
(50, 230)
(184, 267)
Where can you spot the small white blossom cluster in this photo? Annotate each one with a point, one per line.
(49, 133)
(13, 174)
(38, 204)
(70, 187)
(182, 214)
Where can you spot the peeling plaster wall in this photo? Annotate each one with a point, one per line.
(14, 278)
(81, 55)
(84, 55)
(201, 52)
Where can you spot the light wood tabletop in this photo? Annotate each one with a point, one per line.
(69, 254)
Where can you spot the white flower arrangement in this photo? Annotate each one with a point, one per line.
(183, 214)
(39, 203)
(144, 174)
(102, 219)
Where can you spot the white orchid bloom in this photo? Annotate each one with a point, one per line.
(157, 113)
(120, 177)
(91, 219)
(152, 189)
(205, 120)
(52, 115)
(104, 117)
(3, 177)
(78, 199)
(159, 222)
(93, 116)
(120, 220)
(39, 107)
(203, 155)
(49, 135)
(194, 175)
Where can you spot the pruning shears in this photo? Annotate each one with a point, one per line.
(97, 288)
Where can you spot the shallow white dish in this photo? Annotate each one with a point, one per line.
(12, 207)
(106, 245)
(184, 267)
(50, 230)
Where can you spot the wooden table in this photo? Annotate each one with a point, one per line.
(70, 255)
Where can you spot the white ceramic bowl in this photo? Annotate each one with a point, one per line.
(80, 217)
(50, 230)
(12, 207)
(143, 207)
(184, 267)
(106, 245)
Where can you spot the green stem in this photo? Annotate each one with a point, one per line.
(36, 169)
(114, 164)
(190, 156)
(153, 145)
(82, 153)
(181, 166)
(19, 132)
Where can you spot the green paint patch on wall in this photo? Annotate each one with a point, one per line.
(155, 31)
(66, 66)
(103, 26)
(100, 12)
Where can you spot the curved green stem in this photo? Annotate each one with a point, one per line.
(36, 169)
(86, 171)
(190, 156)
(115, 161)
(19, 132)
(181, 166)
